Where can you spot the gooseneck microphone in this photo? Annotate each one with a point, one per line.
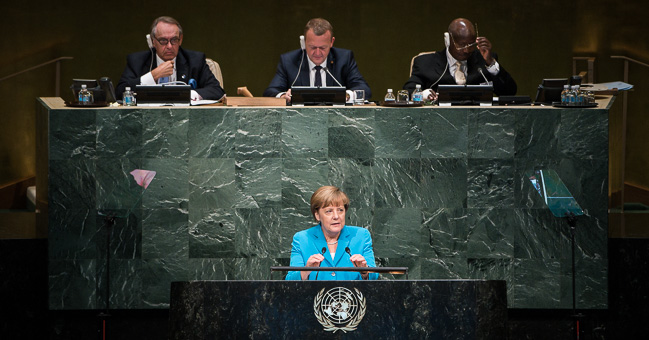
(483, 76)
(334, 78)
(323, 251)
(348, 251)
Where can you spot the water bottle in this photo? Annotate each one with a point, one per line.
(572, 96)
(389, 97)
(417, 95)
(128, 97)
(85, 96)
(564, 94)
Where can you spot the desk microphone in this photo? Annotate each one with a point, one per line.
(323, 251)
(483, 76)
(332, 76)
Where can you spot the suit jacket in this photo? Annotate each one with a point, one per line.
(340, 62)
(427, 68)
(312, 240)
(189, 65)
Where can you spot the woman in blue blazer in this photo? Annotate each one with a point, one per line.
(331, 243)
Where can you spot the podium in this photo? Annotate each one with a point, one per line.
(400, 309)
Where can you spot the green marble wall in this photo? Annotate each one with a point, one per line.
(442, 191)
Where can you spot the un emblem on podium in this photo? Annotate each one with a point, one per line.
(339, 309)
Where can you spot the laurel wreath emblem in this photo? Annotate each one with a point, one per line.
(331, 326)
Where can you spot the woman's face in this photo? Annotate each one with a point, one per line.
(332, 219)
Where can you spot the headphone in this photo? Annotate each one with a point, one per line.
(447, 39)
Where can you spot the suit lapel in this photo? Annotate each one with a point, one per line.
(304, 76)
(320, 242)
(182, 67)
(444, 66)
(343, 242)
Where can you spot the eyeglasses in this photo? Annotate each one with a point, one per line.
(164, 42)
(469, 46)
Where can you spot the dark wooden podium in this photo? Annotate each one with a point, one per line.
(400, 309)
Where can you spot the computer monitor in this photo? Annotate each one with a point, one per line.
(448, 95)
(163, 95)
(550, 90)
(309, 96)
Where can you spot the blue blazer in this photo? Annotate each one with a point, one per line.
(341, 64)
(189, 65)
(312, 240)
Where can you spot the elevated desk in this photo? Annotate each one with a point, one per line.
(442, 191)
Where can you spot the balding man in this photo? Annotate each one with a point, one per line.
(167, 62)
(459, 63)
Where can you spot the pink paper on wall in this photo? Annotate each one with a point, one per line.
(143, 177)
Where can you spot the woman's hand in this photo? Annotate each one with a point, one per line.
(313, 261)
(359, 261)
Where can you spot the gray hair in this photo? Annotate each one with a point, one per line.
(168, 20)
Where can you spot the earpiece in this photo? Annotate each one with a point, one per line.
(149, 41)
(447, 39)
(302, 44)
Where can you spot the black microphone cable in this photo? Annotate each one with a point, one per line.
(323, 251)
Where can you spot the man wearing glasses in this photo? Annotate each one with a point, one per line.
(467, 59)
(170, 64)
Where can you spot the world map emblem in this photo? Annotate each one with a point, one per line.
(339, 309)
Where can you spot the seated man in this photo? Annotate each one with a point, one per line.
(467, 59)
(171, 63)
(325, 66)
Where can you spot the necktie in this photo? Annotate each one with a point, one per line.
(460, 79)
(318, 77)
(163, 80)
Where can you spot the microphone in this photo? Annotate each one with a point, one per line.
(348, 251)
(332, 76)
(323, 251)
(483, 76)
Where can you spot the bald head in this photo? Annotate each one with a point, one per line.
(463, 38)
(462, 28)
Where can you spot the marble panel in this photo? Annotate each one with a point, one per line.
(444, 134)
(212, 133)
(398, 134)
(72, 135)
(397, 183)
(491, 133)
(119, 133)
(165, 132)
(212, 233)
(305, 133)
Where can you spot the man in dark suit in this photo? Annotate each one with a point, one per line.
(296, 70)
(171, 63)
(467, 59)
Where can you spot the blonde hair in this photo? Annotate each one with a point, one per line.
(326, 196)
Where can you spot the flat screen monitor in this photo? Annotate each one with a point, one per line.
(550, 90)
(448, 95)
(307, 96)
(163, 95)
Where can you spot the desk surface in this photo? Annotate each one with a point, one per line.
(57, 103)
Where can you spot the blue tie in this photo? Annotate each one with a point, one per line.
(318, 77)
(163, 80)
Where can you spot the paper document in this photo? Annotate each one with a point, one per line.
(203, 102)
